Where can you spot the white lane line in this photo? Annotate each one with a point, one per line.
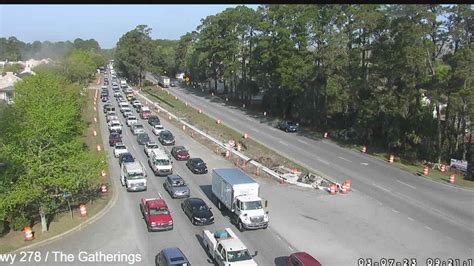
(321, 160)
(429, 228)
(342, 158)
(408, 185)
(365, 164)
(284, 143)
(277, 236)
(411, 219)
(302, 141)
(382, 188)
(395, 211)
(291, 249)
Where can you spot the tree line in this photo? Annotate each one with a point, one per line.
(393, 76)
(42, 144)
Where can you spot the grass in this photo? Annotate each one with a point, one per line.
(63, 222)
(252, 148)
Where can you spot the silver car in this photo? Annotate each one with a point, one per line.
(137, 129)
(176, 186)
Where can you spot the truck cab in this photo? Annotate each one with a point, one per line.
(226, 248)
(160, 162)
(249, 213)
(133, 176)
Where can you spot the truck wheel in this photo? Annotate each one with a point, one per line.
(219, 206)
(241, 226)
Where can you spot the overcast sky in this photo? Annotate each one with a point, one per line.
(104, 23)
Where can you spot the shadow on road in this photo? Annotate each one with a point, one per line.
(280, 261)
(201, 242)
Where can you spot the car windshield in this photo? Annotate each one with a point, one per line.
(135, 176)
(156, 211)
(158, 126)
(178, 183)
(251, 205)
(153, 146)
(132, 118)
(119, 147)
(128, 159)
(200, 207)
(241, 255)
(291, 123)
(199, 163)
(144, 137)
(137, 126)
(162, 162)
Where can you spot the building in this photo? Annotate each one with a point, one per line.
(7, 82)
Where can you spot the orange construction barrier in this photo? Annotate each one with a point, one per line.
(426, 170)
(186, 104)
(344, 189)
(452, 178)
(28, 234)
(184, 127)
(257, 171)
(103, 188)
(332, 189)
(200, 111)
(95, 133)
(392, 158)
(364, 149)
(176, 98)
(443, 168)
(237, 163)
(246, 136)
(227, 154)
(95, 108)
(239, 146)
(82, 210)
(95, 119)
(348, 184)
(325, 135)
(218, 121)
(264, 113)
(98, 147)
(103, 173)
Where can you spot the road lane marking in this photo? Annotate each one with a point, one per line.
(291, 249)
(365, 164)
(411, 219)
(429, 228)
(284, 143)
(321, 160)
(277, 236)
(395, 211)
(342, 158)
(408, 185)
(380, 187)
(302, 141)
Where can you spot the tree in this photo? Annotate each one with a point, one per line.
(133, 53)
(79, 66)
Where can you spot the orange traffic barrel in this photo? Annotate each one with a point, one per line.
(82, 210)
(391, 158)
(452, 178)
(28, 233)
(426, 170)
(332, 189)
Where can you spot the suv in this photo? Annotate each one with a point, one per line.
(176, 186)
(171, 256)
(153, 120)
(288, 126)
(166, 137)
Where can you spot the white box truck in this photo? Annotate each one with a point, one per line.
(164, 81)
(133, 176)
(239, 193)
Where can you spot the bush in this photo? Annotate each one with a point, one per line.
(147, 83)
(19, 222)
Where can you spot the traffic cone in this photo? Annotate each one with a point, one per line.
(98, 147)
(246, 136)
(103, 173)
(95, 108)
(103, 188)
(426, 170)
(239, 146)
(325, 135)
(391, 158)
(200, 111)
(348, 184)
(344, 188)
(218, 121)
(257, 171)
(82, 210)
(452, 178)
(28, 234)
(443, 168)
(184, 127)
(95, 119)
(95, 133)
(364, 149)
(332, 189)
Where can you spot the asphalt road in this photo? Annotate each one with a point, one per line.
(440, 207)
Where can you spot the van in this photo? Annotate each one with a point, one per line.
(145, 112)
(160, 162)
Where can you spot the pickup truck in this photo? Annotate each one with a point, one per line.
(156, 213)
(225, 248)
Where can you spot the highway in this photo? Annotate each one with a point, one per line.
(337, 230)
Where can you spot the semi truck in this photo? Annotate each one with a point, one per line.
(239, 194)
(164, 81)
(225, 248)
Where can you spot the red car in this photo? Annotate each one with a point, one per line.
(156, 213)
(180, 153)
(303, 259)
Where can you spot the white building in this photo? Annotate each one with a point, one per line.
(7, 82)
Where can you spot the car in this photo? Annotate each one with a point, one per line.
(131, 120)
(171, 256)
(197, 211)
(197, 166)
(288, 126)
(137, 129)
(117, 94)
(127, 114)
(114, 138)
(119, 149)
(172, 84)
(138, 106)
(135, 102)
(115, 126)
(156, 213)
(157, 129)
(301, 258)
(176, 186)
(126, 158)
(153, 120)
(149, 146)
(166, 137)
(105, 99)
(180, 153)
(106, 105)
(143, 138)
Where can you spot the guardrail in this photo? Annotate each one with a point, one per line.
(235, 152)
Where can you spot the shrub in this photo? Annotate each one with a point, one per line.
(19, 222)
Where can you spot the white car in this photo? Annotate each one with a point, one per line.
(119, 149)
(157, 129)
(112, 117)
(149, 146)
(131, 120)
(115, 126)
(127, 114)
(125, 109)
(117, 94)
(137, 129)
(135, 102)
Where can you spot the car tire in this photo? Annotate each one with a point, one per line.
(219, 205)
(148, 227)
(240, 226)
(193, 221)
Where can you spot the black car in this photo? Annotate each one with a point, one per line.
(198, 211)
(153, 120)
(114, 138)
(105, 107)
(288, 126)
(166, 137)
(105, 99)
(197, 166)
(126, 158)
(143, 138)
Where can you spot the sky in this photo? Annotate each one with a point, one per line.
(104, 23)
